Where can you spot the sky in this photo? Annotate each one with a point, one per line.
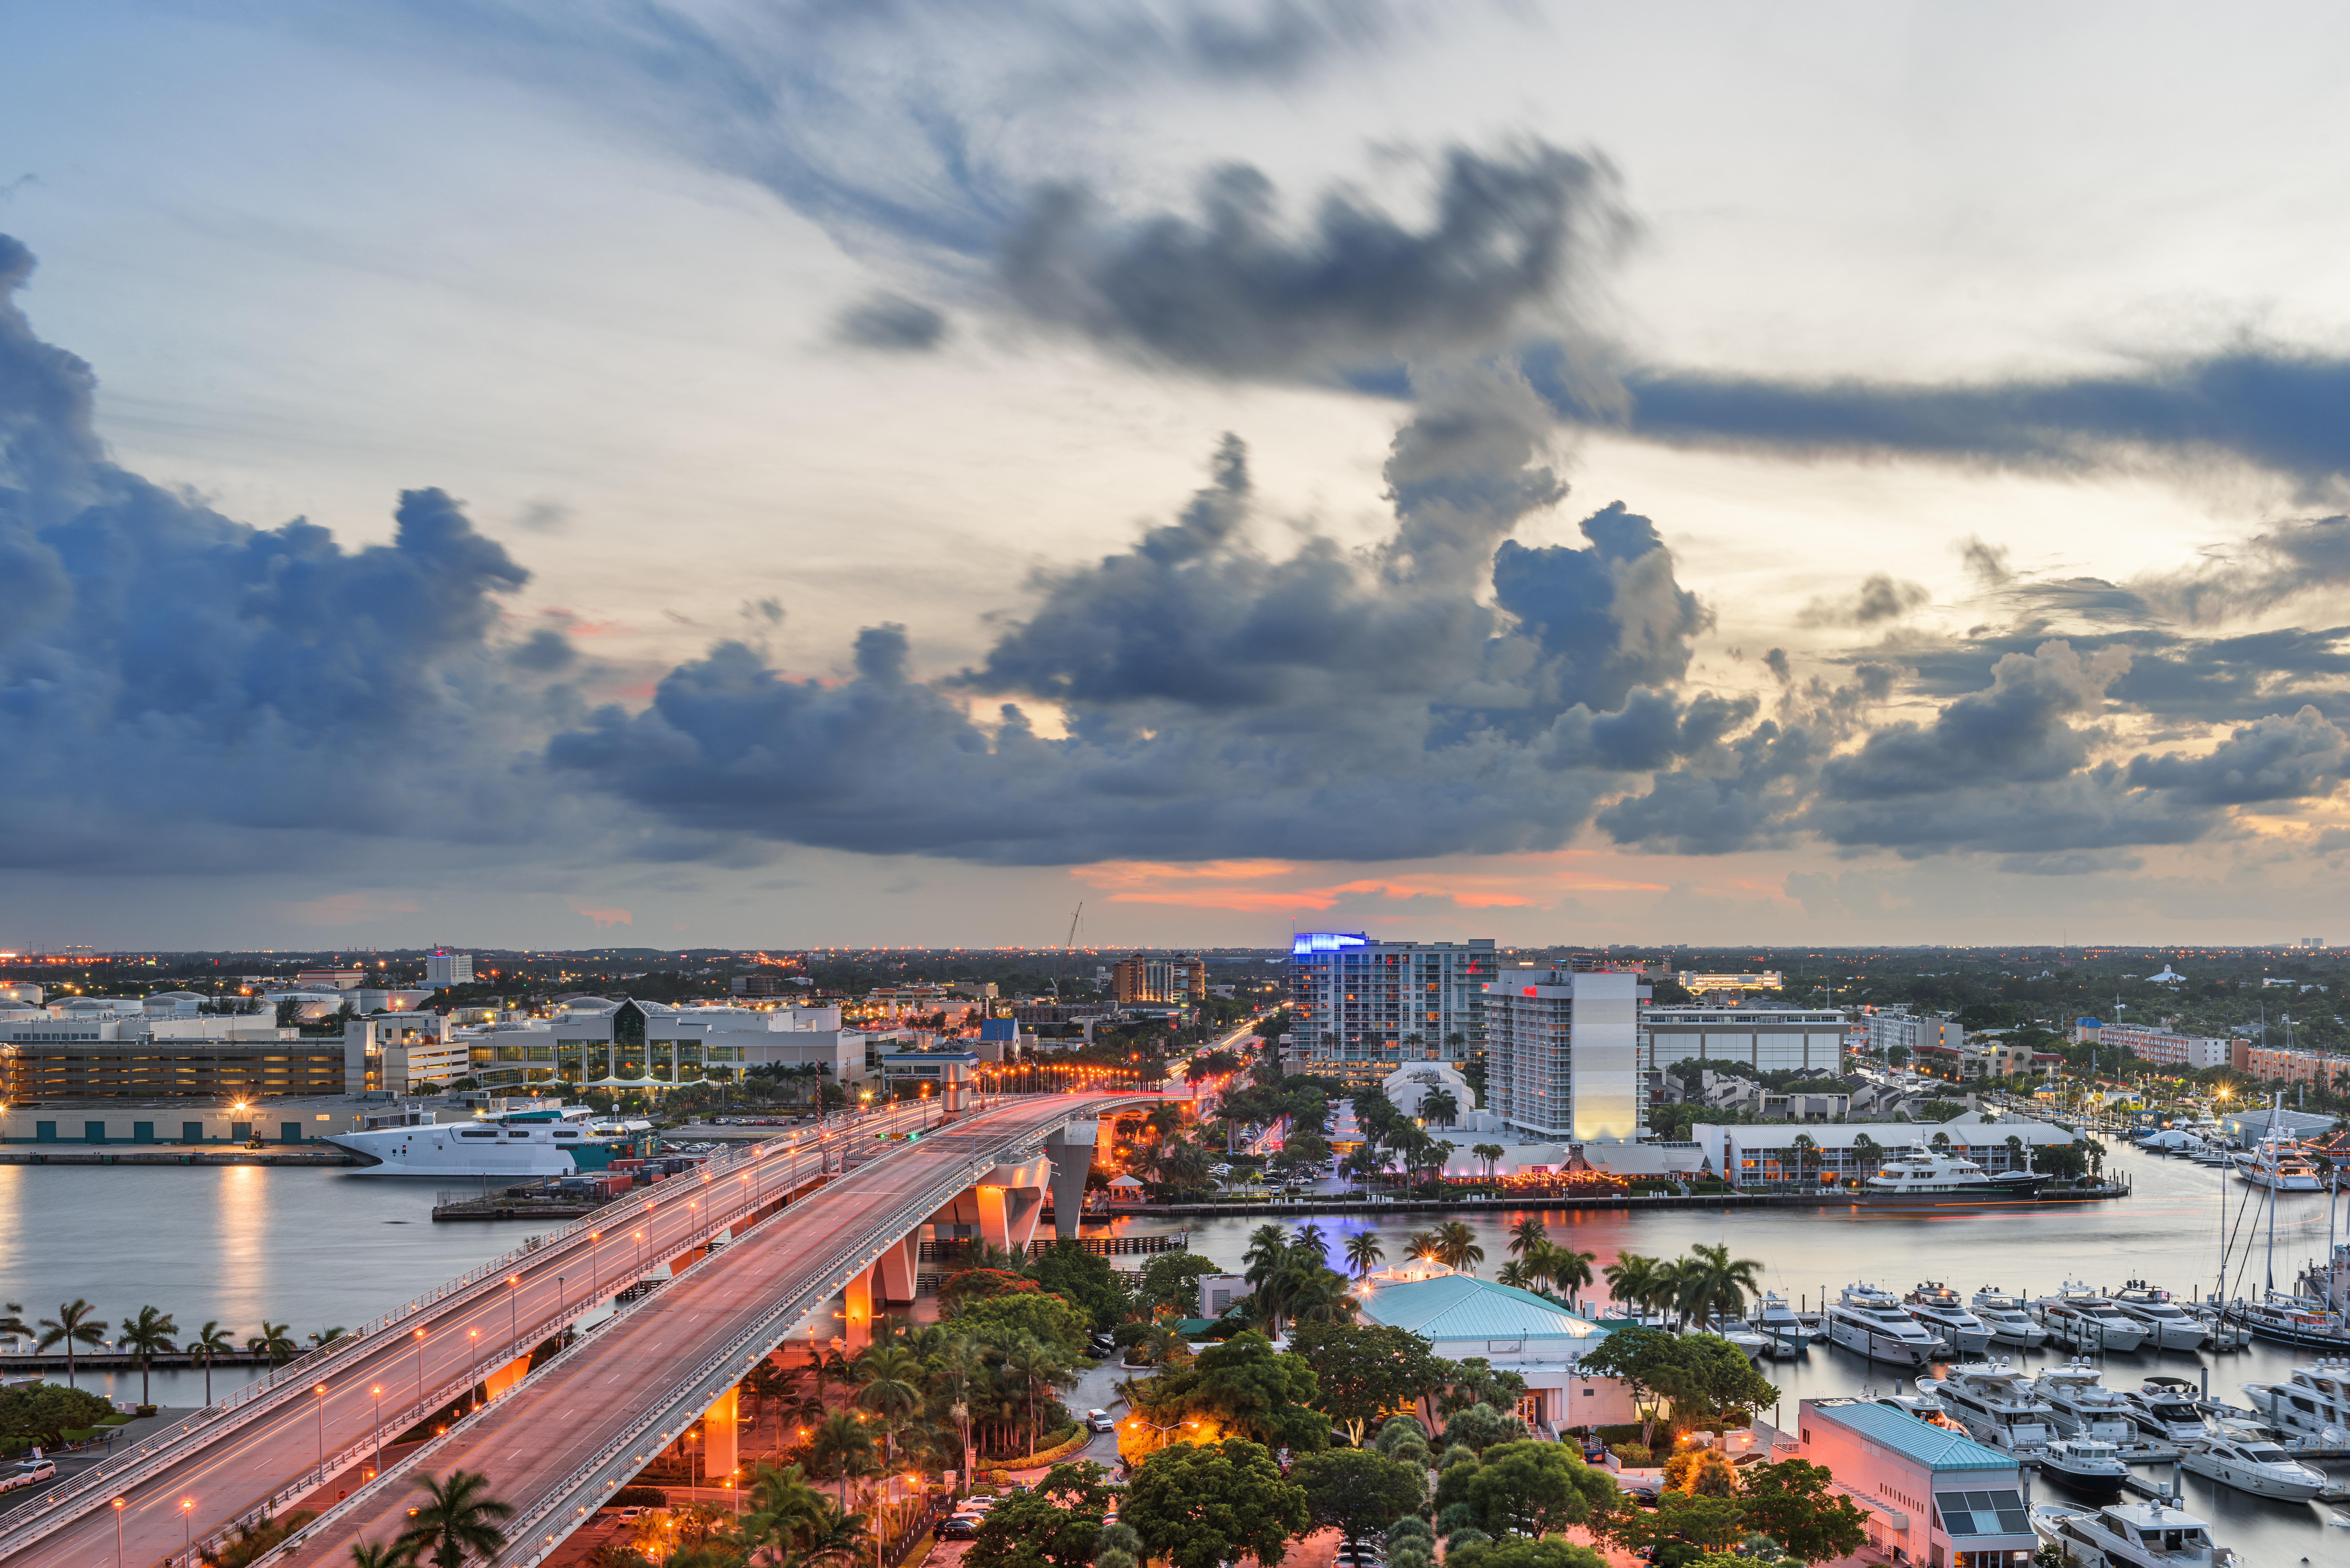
(785, 474)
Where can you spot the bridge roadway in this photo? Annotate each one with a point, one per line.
(270, 1446)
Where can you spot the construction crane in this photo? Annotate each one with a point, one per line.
(1070, 942)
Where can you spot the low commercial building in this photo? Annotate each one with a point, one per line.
(1886, 1029)
(1765, 1154)
(328, 979)
(219, 1070)
(172, 1121)
(1517, 1331)
(1763, 980)
(2163, 1047)
(1933, 1495)
(2283, 1065)
(1766, 1039)
(597, 1043)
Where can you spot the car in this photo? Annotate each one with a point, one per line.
(1100, 1421)
(632, 1513)
(959, 1527)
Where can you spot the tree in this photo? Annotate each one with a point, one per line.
(1084, 1281)
(1172, 1280)
(1480, 1426)
(1713, 1285)
(73, 1325)
(1808, 1152)
(1520, 1553)
(1634, 1354)
(1682, 1529)
(1365, 1370)
(1364, 1253)
(1865, 1153)
(1358, 1490)
(458, 1518)
(1528, 1237)
(1457, 1246)
(1056, 1525)
(13, 1325)
(147, 1336)
(1631, 1280)
(1537, 1489)
(1249, 1387)
(1491, 1153)
(1569, 1271)
(1199, 1506)
(372, 1554)
(1048, 1317)
(1439, 1106)
(210, 1341)
(785, 1510)
(273, 1340)
(35, 1415)
(1790, 1503)
(892, 1385)
(838, 1448)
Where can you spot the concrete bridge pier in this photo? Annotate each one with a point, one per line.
(720, 1455)
(1071, 1150)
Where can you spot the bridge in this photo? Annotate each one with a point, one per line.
(758, 1245)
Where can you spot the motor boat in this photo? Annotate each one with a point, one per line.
(1996, 1406)
(2083, 1407)
(2253, 1464)
(1750, 1343)
(1925, 1178)
(2006, 1318)
(2158, 1534)
(2221, 1332)
(1786, 1336)
(2089, 1466)
(1938, 1306)
(2080, 1317)
(1874, 1322)
(2277, 1165)
(2165, 1407)
(2291, 1320)
(2317, 1400)
(2169, 1325)
(549, 1140)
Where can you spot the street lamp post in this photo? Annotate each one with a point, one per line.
(118, 1533)
(187, 1529)
(514, 1310)
(320, 1390)
(375, 1393)
(419, 1371)
(474, 1363)
(594, 1276)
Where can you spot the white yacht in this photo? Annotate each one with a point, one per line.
(2080, 1317)
(2277, 1165)
(2167, 1324)
(2006, 1318)
(2166, 1408)
(2083, 1407)
(2317, 1400)
(1874, 1324)
(2089, 1466)
(1938, 1306)
(1996, 1406)
(1785, 1334)
(554, 1140)
(2253, 1464)
(2130, 1535)
(1925, 1178)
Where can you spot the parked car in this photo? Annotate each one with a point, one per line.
(959, 1527)
(1100, 1421)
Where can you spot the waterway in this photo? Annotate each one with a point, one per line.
(321, 1247)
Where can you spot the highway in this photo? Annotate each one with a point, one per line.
(271, 1444)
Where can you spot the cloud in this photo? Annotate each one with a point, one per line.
(603, 915)
(2275, 760)
(1987, 564)
(1352, 292)
(891, 321)
(1878, 598)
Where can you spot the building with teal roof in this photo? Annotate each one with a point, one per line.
(1463, 1318)
(1934, 1495)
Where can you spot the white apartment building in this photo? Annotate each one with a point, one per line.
(1767, 1039)
(1364, 1008)
(1914, 1031)
(1562, 1054)
(1763, 980)
(443, 969)
(397, 1052)
(2161, 1046)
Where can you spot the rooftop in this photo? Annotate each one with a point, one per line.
(1936, 1447)
(1458, 1306)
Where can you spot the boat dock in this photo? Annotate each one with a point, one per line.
(329, 1156)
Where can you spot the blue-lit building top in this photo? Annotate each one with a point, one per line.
(1362, 1008)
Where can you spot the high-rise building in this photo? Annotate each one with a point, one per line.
(1361, 1008)
(1158, 977)
(447, 969)
(1562, 1054)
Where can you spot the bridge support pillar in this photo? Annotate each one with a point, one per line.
(500, 1378)
(894, 1274)
(1071, 1150)
(857, 1322)
(719, 1455)
(1010, 1198)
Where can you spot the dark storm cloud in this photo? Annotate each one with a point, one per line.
(1878, 598)
(1240, 290)
(2278, 408)
(176, 686)
(2276, 760)
(891, 321)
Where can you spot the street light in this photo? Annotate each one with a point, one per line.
(514, 1310)
(419, 1371)
(320, 1390)
(187, 1537)
(118, 1533)
(375, 1393)
(594, 1277)
(473, 1361)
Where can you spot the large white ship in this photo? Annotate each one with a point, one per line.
(549, 1141)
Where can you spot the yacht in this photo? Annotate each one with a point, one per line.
(1995, 1405)
(1874, 1322)
(2083, 1407)
(1938, 1306)
(551, 1140)
(1925, 1178)
(2169, 1325)
(2221, 1332)
(2277, 1165)
(2157, 1534)
(2079, 1316)
(1925, 1407)
(2253, 1464)
(2089, 1466)
(2166, 1408)
(2004, 1315)
(2317, 1400)
(2292, 1320)
(1785, 1333)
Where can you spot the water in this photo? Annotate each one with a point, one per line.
(2168, 1232)
(314, 1249)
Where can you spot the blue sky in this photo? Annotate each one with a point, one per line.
(819, 472)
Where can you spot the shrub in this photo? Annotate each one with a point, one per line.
(637, 1497)
(1632, 1456)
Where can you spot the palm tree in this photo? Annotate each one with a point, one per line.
(1423, 1246)
(1512, 1274)
(1312, 1244)
(892, 1377)
(1491, 1153)
(839, 1448)
(1568, 1270)
(1034, 1363)
(13, 1325)
(1713, 1283)
(368, 1555)
(1808, 1152)
(459, 1519)
(1528, 1236)
(1439, 1106)
(210, 1341)
(328, 1335)
(1865, 1151)
(273, 1342)
(1457, 1246)
(785, 1509)
(73, 1325)
(1631, 1279)
(1364, 1253)
(146, 1336)
(2014, 1152)
(1941, 1141)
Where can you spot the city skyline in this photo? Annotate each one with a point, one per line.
(676, 479)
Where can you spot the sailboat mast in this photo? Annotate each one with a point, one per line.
(2276, 1104)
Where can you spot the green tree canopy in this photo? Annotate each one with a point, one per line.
(1790, 1503)
(1519, 1552)
(1535, 1489)
(1042, 1314)
(1358, 1490)
(1366, 1370)
(34, 1415)
(1253, 1389)
(1480, 1427)
(1681, 1531)
(1084, 1281)
(1172, 1280)
(1057, 1525)
(1201, 1506)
